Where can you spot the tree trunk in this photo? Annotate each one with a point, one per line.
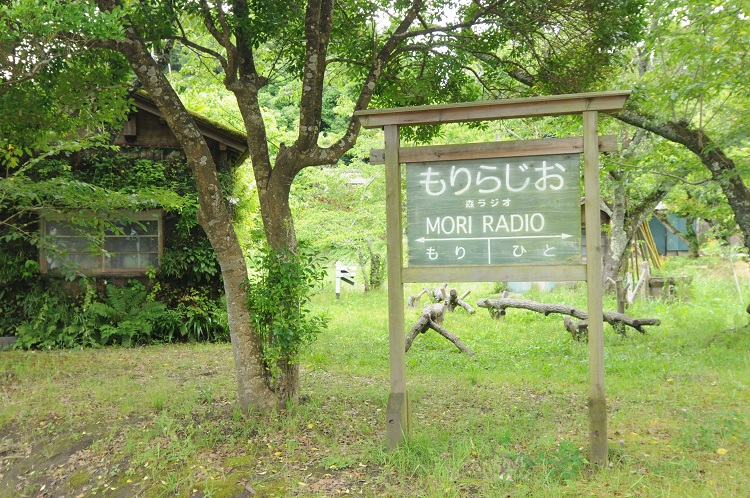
(376, 269)
(362, 260)
(619, 239)
(691, 236)
(278, 225)
(625, 223)
(253, 389)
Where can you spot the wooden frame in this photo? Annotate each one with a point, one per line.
(554, 105)
(101, 269)
(586, 104)
(486, 150)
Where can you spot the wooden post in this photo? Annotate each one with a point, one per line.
(597, 399)
(397, 412)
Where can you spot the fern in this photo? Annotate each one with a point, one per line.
(126, 316)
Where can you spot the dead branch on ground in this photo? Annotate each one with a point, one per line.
(431, 317)
(497, 309)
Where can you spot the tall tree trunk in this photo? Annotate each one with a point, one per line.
(274, 186)
(253, 389)
(721, 167)
(362, 260)
(691, 235)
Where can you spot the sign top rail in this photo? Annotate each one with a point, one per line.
(553, 105)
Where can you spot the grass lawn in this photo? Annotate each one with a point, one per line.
(509, 421)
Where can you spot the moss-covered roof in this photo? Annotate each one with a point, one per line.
(208, 127)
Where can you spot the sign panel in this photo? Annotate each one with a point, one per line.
(497, 211)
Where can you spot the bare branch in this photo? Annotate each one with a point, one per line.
(497, 308)
(200, 49)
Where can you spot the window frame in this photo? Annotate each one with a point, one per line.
(103, 256)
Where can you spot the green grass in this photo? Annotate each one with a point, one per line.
(509, 421)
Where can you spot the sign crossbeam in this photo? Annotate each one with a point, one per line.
(513, 148)
(554, 105)
(560, 236)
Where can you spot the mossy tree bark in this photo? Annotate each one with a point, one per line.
(253, 388)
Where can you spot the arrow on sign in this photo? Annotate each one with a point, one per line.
(561, 236)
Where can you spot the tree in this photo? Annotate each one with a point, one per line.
(341, 212)
(692, 89)
(56, 94)
(690, 79)
(56, 97)
(416, 52)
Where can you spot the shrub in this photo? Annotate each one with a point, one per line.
(280, 286)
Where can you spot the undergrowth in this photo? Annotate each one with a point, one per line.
(509, 421)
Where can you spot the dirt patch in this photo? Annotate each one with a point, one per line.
(55, 466)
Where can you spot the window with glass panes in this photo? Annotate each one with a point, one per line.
(126, 247)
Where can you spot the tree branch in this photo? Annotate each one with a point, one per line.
(662, 173)
(318, 26)
(380, 60)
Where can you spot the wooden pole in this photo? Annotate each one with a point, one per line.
(597, 399)
(397, 412)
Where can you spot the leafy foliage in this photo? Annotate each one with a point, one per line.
(280, 285)
(690, 74)
(52, 88)
(694, 66)
(126, 316)
(188, 283)
(196, 318)
(51, 325)
(342, 210)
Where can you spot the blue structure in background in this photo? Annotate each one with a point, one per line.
(667, 241)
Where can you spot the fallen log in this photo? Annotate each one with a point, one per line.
(440, 295)
(497, 308)
(431, 317)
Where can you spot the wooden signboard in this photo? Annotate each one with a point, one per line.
(505, 211)
(508, 228)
